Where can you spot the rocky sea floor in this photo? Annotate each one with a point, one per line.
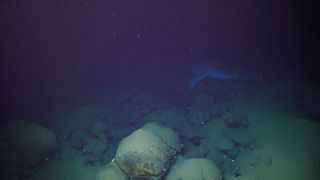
(251, 131)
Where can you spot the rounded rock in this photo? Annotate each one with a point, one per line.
(194, 169)
(142, 154)
(148, 151)
(111, 172)
(32, 142)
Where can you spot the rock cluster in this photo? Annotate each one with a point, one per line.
(150, 153)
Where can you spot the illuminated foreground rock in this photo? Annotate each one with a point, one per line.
(147, 152)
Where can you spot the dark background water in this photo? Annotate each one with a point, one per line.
(55, 49)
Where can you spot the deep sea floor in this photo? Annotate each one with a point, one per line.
(251, 130)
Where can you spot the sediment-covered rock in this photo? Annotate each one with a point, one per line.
(98, 130)
(111, 172)
(165, 134)
(78, 138)
(148, 151)
(227, 147)
(32, 142)
(25, 146)
(92, 147)
(199, 117)
(194, 169)
(197, 152)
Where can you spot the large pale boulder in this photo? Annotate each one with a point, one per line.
(147, 152)
(166, 134)
(194, 169)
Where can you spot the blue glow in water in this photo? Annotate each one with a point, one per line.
(203, 71)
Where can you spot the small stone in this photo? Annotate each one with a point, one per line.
(196, 140)
(97, 130)
(198, 117)
(226, 146)
(78, 139)
(197, 152)
(268, 160)
(237, 121)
